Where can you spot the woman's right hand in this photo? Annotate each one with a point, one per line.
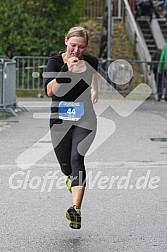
(73, 61)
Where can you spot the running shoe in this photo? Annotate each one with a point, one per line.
(73, 214)
(68, 183)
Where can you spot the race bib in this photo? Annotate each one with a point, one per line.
(72, 111)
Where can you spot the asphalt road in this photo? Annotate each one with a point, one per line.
(125, 204)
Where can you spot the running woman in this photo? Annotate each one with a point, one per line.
(71, 82)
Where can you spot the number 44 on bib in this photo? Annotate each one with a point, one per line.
(72, 111)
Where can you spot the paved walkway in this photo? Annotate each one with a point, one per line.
(124, 208)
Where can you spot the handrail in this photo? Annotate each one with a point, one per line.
(138, 36)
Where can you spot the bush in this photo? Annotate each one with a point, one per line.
(36, 27)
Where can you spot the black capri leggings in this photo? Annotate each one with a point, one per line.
(70, 146)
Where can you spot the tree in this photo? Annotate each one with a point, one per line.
(36, 27)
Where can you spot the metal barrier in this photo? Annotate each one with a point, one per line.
(150, 76)
(29, 71)
(1, 82)
(7, 85)
(29, 75)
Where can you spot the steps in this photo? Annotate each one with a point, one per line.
(163, 26)
(148, 36)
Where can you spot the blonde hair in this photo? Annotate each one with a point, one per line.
(77, 31)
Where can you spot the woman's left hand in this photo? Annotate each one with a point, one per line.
(94, 97)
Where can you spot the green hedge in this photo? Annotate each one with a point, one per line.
(36, 27)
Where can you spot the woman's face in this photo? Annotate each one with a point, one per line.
(76, 46)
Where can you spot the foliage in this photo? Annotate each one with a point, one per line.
(36, 27)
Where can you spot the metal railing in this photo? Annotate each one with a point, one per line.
(154, 77)
(135, 35)
(95, 9)
(137, 77)
(29, 75)
(29, 71)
